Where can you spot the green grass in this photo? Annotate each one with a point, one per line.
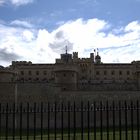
(77, 137)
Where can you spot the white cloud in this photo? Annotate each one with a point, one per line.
(81, 33)
(28, 35)
(15, 2)
(20, 2)
(133, 26)
(21, 23)
(24, 44)
(41, 46)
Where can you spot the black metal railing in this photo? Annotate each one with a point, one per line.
(108, 120)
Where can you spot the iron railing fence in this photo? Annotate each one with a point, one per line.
(71, 121)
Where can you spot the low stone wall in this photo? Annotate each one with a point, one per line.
(44, 92)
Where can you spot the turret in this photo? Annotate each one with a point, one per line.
(98, 58)
(92, 56)
(66, 57)
(66, 76)
(7, 75)
(75, 55)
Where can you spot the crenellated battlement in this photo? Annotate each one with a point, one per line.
(21, 62)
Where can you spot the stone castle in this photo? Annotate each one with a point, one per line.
(69, 77)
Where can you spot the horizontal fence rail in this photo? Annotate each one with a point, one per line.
(70, 121)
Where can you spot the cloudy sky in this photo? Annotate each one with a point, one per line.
(39, 30)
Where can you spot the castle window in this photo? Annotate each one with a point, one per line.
(105, 72)
(37, 79)
(104, 78)
(72, 75)
(120, 72)
(52, 74)
(37, 72)
(113, 72)
(30, 73)
(120, 78)
(64, 75)
(29, 79)
(22, 72)
(44, 79)
(97, 73)
(128, 72)
(128, 78)
(22, 79)
(45, 73)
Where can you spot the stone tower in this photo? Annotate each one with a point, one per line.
(98, 58)
(66, 72)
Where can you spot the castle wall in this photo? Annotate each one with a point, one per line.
(35, 72)
(43, 92)
(27, 92)
(100, 96)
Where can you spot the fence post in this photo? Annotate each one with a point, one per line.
(107, 120)
(41, 120)
(82, 129)
(14, 121)
(126, 130)
(55, 120)
(69, 120)
(27, 121)
(88, 117)
(21, 121)
(0, 121)
(6, 133)
(94, 120)
(120, 123)
(101, 119)
(113, 109)
(132, 131)
(34, 121)
(138, 120)
(74, 122)
(62, 119)
(48, 121)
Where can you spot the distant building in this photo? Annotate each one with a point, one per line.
(73, 73)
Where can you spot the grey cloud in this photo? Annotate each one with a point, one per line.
(60, 47)
(2, 2)
(59, 35)
(5, 56)
(60, 43)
